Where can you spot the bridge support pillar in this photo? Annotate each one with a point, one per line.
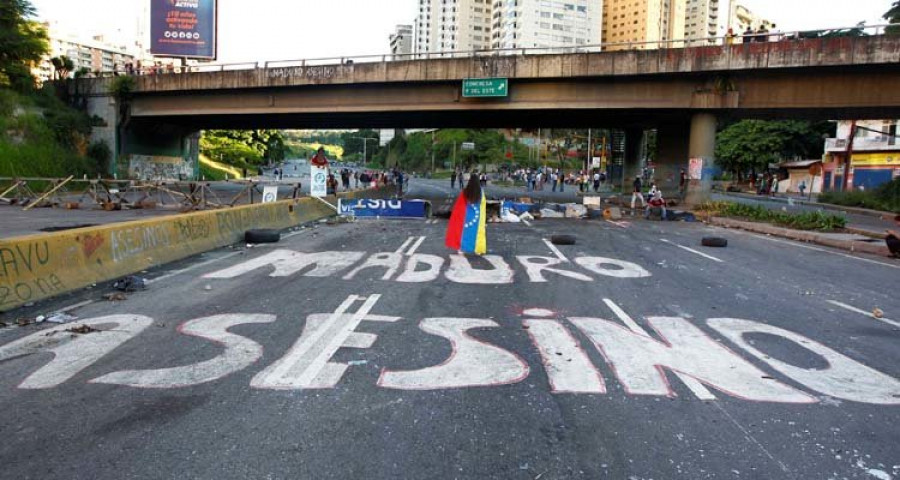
(634, 140)
(678, 143)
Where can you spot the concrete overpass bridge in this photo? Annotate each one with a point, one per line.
(680, 91)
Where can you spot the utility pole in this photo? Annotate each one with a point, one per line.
(588, 164)
(848, 157)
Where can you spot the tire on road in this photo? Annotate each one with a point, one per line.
(562, 239)
(716, 242)
(262, 236)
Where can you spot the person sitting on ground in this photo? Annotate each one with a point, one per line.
(893, 239)
(656, 202)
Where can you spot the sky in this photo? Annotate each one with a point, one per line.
(260, 30)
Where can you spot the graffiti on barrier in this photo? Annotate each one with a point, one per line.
(154, 167)
(193, 228)
(25, 291)
(90, 243)
(130, 242)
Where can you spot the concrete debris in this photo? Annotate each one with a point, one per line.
(612, 213)
(116, 297)
(877, 313)
(526, 217)
(575, 211)
(40, 319)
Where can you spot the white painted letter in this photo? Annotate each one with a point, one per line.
(411, 275)
(639, 360)
(624, 270)
(461, 271)
(568, 367)
(288, 262)
(306, 365)
(473, 363)
(73, 352)
(240, 352)
(390, 261)
(535, 267)
(844, 378)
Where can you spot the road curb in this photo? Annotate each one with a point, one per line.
(802, 236)
(37, 267)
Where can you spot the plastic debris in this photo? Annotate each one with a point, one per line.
(547, 213)
(61, 318)
(131, 283)
(40, 319)
(526, 217)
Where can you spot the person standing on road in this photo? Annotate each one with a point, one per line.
(802, 187)
(553, 179)
(466, 232)
(637, 192)
(893, 239)
(682, 185)
(453, 180)
(400, 180)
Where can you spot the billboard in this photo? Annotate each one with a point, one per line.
(183, 28)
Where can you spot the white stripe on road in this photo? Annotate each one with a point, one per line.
(556, 251)
(192, 267)
(412, 250)
(618, 224)
(863, 312)
(817, 249)
(691, 383)
(693, 251)
(405, 244)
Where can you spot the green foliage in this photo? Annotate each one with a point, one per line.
(754, 144)
(893, 17)
(22, 43)
(244, 148)
(885, 198)
(122, 87)
(211, 174)
(101, 154)
(757, 213)
(51, 144)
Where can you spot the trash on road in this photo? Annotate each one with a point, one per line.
(82, 329)
(562, 239)
(264, 235)
(60, 317)
(548, 213)
(877, 313)
(115, 297)
(131, 283)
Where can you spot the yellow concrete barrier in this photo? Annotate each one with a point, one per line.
(37, 267)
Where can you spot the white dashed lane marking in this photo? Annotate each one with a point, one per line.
(693, 251)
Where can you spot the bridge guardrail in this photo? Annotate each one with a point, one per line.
(736, 39)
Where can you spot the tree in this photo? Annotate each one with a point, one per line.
(63, 66)
(22, 43)
(751, 145)
(893, 17)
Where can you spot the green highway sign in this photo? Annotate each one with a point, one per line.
(485, 87)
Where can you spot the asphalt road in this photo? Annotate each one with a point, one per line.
(626, 363)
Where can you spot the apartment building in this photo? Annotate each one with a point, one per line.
(741, 18)
(546, 24)
(703, 19)
(645, 24)
(93, 55)
(402, 41)
(466, 25)
(452, 25)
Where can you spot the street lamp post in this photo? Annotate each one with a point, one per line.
(365, 143)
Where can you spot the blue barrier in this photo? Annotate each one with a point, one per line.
(373, 207)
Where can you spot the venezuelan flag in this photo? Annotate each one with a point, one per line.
(466, 231)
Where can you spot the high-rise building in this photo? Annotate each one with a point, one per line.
(453, 26)
(740, 18)
(88, 55)
(402, 41)
(546, 24)
(702, 20)
(644, 24)
(466, 25)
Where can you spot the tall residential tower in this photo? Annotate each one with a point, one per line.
(646, 24)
